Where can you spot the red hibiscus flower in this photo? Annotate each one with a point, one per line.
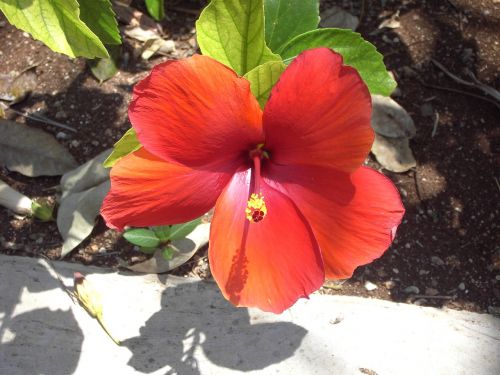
(293, 204)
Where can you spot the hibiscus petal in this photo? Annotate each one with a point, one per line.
(269, 264)
(324, 109)
(145, 190)
(354, 217)
(195, 112)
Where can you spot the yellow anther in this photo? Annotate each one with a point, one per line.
(256, 208)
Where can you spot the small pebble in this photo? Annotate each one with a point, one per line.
(437, 261)
(370, 286)
(395, 270)
(431, 292)
(389, 284)
(61, 115)
(61, 135)
(427, 110)
(461, 286)
(412, 289)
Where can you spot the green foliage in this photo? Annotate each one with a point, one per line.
(180, 231)
(262, 79)
(357, 52)
(57, 23)
(42, 212)
(149, 239)
(106, 68)
(168, 253)
(162, 232)
(285, 19)
(156, 8)
(100, 18)
(232, 32)
(125, 145)
(142, 237)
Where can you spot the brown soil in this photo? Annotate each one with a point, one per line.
(448, 245)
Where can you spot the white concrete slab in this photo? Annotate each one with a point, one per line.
(180, 326)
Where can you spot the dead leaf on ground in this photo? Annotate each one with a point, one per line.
(83, 191)
(132, 17)
(77, 214)
(143, 29)
(87, 175)
(391, 22)
(183, 250)
(32, 152)
(390, 119)
(394, 154)
(15, 87)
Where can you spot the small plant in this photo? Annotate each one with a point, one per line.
(151, 239)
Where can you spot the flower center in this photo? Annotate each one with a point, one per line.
(256, 208)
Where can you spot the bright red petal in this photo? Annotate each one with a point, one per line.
(146, 190)
(319, 114)
(354, 217)
(195, 112)
(269, 264)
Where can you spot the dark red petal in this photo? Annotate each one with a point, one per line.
(354, 217)
(319, 114)
(146, 190)
(269, 264)
(195, 112)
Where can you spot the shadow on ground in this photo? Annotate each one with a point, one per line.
(182, 327)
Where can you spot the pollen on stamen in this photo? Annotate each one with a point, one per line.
(256, 208)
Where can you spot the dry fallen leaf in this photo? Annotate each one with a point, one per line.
(15, 87)
(91, 300)
(394, 154)
(32, 152)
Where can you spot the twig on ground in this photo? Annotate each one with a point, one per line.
(436, 122)
(362, 11)
(40, 118)
(432, 297)
(498, 183)
(459, 92)
(488, 90)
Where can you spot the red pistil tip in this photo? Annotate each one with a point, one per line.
(256, 208)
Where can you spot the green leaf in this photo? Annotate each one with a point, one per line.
(42, 212)
(56, 23)
(162, 232)
(156, 8)
(180, 231)
(263, 78)
(168, 253)
(232, 32)
(104, 69)
(147, 250)
(125, 145)
(142, 237)
(100, 18)
(286, 19)
(357, 52)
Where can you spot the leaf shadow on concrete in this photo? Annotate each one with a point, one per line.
(195, 316)
(31, 342)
